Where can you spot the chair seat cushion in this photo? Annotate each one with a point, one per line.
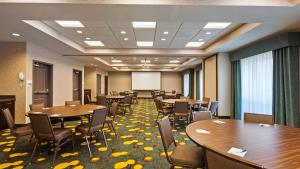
(108, 119)
(184, 155)
(62, 133)
(181, 114)
(84, 128)
(124, 104)
(23, 131)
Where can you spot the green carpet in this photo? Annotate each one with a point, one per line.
(137, 146)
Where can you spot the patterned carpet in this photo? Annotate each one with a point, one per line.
(137, 146)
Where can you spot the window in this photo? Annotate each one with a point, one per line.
(186, 84)
(256, 83)
(200, 78)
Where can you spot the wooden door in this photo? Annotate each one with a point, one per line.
(77, 86)
(98, 84)
(106, 85)
(42, 83)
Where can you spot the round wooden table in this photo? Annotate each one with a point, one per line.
(68, 111)
(190, 101)
(115, 97)
(276, 146)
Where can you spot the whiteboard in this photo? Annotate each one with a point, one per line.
(146, 80)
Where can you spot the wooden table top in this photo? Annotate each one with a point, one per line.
(68, 111)
(274, 147)
(190, 101)
(115, 97)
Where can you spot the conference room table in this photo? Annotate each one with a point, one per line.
(190, 101)
(68, 111)
(115, 97)
(268, 146)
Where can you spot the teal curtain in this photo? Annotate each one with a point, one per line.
(236, 102)
(191, 87)
(286, 86)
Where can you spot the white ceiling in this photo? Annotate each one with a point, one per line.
(183, 19)
(179, 33)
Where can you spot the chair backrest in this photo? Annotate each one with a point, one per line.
(114, 93)
(206, 99)
(128, 99)
(122, 93)
(162, 92)
(173, 91)
(69, 103)
(178, 95)
(258, 118)
(159, 98)
(158, 104)
(97, 120)
(213, 107)
(36, 106)
(101, 100)
(166, 134)
(41, 126)
(114, 108)
(218, 161)
(135, 94)
(201, 115)
(181, 107)
(87, 99)
(9, 119)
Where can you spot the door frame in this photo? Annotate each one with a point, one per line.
(51, 80)
(97, 85)
(80, 84)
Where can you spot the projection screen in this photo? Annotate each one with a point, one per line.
(146, 80)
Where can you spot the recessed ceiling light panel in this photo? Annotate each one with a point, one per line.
(123, 32)
(208, 33)
(93, 43)
(70, 24)
(216, 25)
(15, 34)
(79, 31)
(145, 61)
(116, 61)
(125, 39)
(194, 44)
(136, 24)
(163, 39)
(166, 32)
(174, 61)
(144, 43)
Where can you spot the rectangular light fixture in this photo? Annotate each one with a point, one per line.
(93, 43)
(116, 61)
(144, 43)
(145, 61)
(70, 24)
(174, 61)
(194, 44)
(216, 25)
(148, 25)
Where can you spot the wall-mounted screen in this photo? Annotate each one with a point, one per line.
(146, 80)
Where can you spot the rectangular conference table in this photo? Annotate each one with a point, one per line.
(273, 147)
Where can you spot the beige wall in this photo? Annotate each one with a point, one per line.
(90, 80)
(224, 84)
(62, 73)
(120, 81)
(210, 77)
(171, 81)
(12, 62)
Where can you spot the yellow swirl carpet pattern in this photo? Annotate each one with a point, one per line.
(136, 145)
